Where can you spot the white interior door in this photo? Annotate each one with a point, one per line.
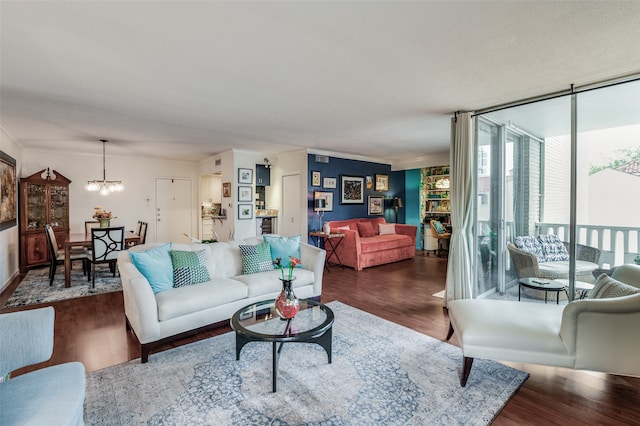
(174, 209)
(291, 219)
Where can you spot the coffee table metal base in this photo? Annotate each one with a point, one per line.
(323, 340)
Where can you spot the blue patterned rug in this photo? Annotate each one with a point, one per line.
(382, 373)
(35, 287)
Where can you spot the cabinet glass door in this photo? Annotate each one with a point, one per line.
(59, 206)
(36, 206)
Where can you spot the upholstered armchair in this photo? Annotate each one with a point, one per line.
(527, 264)
(48, 396)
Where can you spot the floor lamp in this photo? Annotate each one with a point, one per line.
(319, 204)
(396, 203)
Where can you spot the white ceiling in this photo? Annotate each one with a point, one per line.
(186, 80)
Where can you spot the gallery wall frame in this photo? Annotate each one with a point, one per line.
(329, 183)
(245, 175)
(382, 183)
(315, 178)
(8, 192)
(245, 211)
(375, 205)
(328, 200)
(351, 189)
(245, 193)
(369, 180)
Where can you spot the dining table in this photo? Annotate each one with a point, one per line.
(84, 240)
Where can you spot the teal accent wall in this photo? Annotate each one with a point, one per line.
(412, 202)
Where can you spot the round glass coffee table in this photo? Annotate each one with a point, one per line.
(543, 284)
(259, 322)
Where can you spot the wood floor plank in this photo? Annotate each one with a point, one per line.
(92, 330)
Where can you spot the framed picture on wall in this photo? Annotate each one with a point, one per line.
(328, 200)
(245, 175)
(245, 211)
(351, 189)
(315, 178)
(226, 189)
(244, 193)
(369, 180)
(8, 189)
(376, 205)
(329, 183)
(382, 182)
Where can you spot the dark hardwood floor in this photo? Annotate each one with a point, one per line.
(92, 330)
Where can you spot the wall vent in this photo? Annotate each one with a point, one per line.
(218, 161)
(322, 159)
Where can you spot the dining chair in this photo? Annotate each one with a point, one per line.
(105, 245)
(89, 225)
(440, 232)
(143, 232)
(56, 257)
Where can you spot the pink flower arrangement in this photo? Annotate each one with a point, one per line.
(293, 262)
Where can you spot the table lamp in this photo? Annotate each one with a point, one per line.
(396, 203)
(319, 204)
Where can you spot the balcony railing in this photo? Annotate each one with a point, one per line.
(617, 244)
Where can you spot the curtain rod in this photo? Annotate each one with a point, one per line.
(628, 78)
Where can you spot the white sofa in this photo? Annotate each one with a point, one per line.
(157, 318)
(601, 334)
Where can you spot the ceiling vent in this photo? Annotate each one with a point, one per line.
(322, 159)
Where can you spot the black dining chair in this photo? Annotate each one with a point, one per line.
(56, 256)
(143, 232)
(105, 245)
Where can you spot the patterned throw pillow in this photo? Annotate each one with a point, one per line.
(530, 244)
(606, 287)
(256, 258)
(188, 267)
(552, 248)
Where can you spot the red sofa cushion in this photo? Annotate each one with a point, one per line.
(384, 242)
(365, 229)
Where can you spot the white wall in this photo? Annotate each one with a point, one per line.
(9, 238)
(288, 163)
(138, 175)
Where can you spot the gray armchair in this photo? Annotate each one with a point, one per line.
(526, 264)
(48, 396)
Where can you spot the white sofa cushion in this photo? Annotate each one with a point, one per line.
(270, 281)
(562, 267)
(185, 300)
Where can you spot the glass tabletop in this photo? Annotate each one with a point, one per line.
(260, 321)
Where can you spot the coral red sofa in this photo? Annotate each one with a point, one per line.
(366, 243)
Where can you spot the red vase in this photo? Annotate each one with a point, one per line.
(287, 305)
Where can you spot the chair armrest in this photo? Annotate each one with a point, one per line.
(603, 334)
(586, 253)
(525, 263)
(26, 338)
(349, 248)
(410, 230)
(313, 260)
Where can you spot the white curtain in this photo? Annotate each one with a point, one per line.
(459, 270)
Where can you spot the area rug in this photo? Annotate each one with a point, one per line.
(381, 373)
(35, 288)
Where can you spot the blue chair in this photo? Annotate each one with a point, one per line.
(48, 396)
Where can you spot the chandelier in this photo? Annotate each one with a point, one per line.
(104, 186)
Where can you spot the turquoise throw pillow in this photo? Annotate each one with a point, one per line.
(155, 264)
(189, 267)
(283, 247)
(256, 258)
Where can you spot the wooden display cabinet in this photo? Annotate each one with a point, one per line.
(44, 199)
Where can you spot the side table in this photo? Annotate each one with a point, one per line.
(333, 241)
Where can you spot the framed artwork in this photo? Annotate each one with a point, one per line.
(8, 190)
(376, 205)
(351, 189)
(329, 183)
(315, 178)
(245, 175)
(328, 200)
(382, 183)
(244, 193)
(245, 211)
(226, 189)
(369, 180)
